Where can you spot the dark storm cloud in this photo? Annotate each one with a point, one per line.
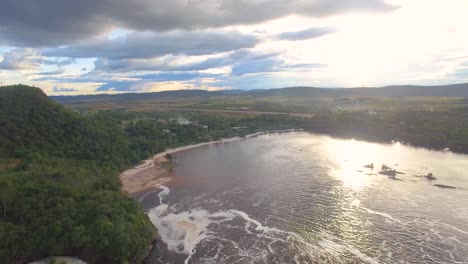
(242, 62)
(166, 64)
(56, 22)
(148, 45)
(27, 23)
(305, 34)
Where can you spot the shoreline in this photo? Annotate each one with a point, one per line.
(162, 176)
(151, 172)
(157, 161)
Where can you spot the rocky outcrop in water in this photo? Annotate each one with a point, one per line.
(445, 186)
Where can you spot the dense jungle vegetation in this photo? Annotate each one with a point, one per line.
(59, 187)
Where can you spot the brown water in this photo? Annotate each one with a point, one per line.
(304, 198)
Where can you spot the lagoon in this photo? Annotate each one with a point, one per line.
(306, 198)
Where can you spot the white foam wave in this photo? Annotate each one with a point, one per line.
(259, 226)
(385, 215)
(183, 231)
(165, 191)
(337, 249)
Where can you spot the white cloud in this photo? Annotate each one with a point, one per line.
(379, 49)
(422, 42)
(20, 59)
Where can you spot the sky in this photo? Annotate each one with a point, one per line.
(117, 46)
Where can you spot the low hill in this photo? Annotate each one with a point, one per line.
(135, 96)
(455, 90)
(59, 189)
(32, 123)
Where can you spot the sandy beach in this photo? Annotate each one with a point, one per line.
(153, 172)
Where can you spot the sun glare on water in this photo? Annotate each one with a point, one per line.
(350, 158)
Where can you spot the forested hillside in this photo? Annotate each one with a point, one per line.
(59, 188)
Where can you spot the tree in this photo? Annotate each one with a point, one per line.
(7, 191)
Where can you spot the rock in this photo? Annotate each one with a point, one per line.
(445, 186)
(430, 177)
(390, 173)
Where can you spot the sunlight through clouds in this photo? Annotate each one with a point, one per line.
(321, 44)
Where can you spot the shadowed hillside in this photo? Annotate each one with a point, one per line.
(59, 190)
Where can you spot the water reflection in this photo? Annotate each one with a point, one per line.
(349, 160)
(305, 198)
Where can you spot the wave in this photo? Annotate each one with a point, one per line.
(233, 233)
(385, 215)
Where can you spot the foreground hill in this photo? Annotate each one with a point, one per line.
(59, 190)
(31, 123)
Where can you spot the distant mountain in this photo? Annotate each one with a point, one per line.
(134, 96)
(454, 90)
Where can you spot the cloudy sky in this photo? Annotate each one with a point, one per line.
(112, 46)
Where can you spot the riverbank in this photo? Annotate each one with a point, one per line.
(154, 171)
